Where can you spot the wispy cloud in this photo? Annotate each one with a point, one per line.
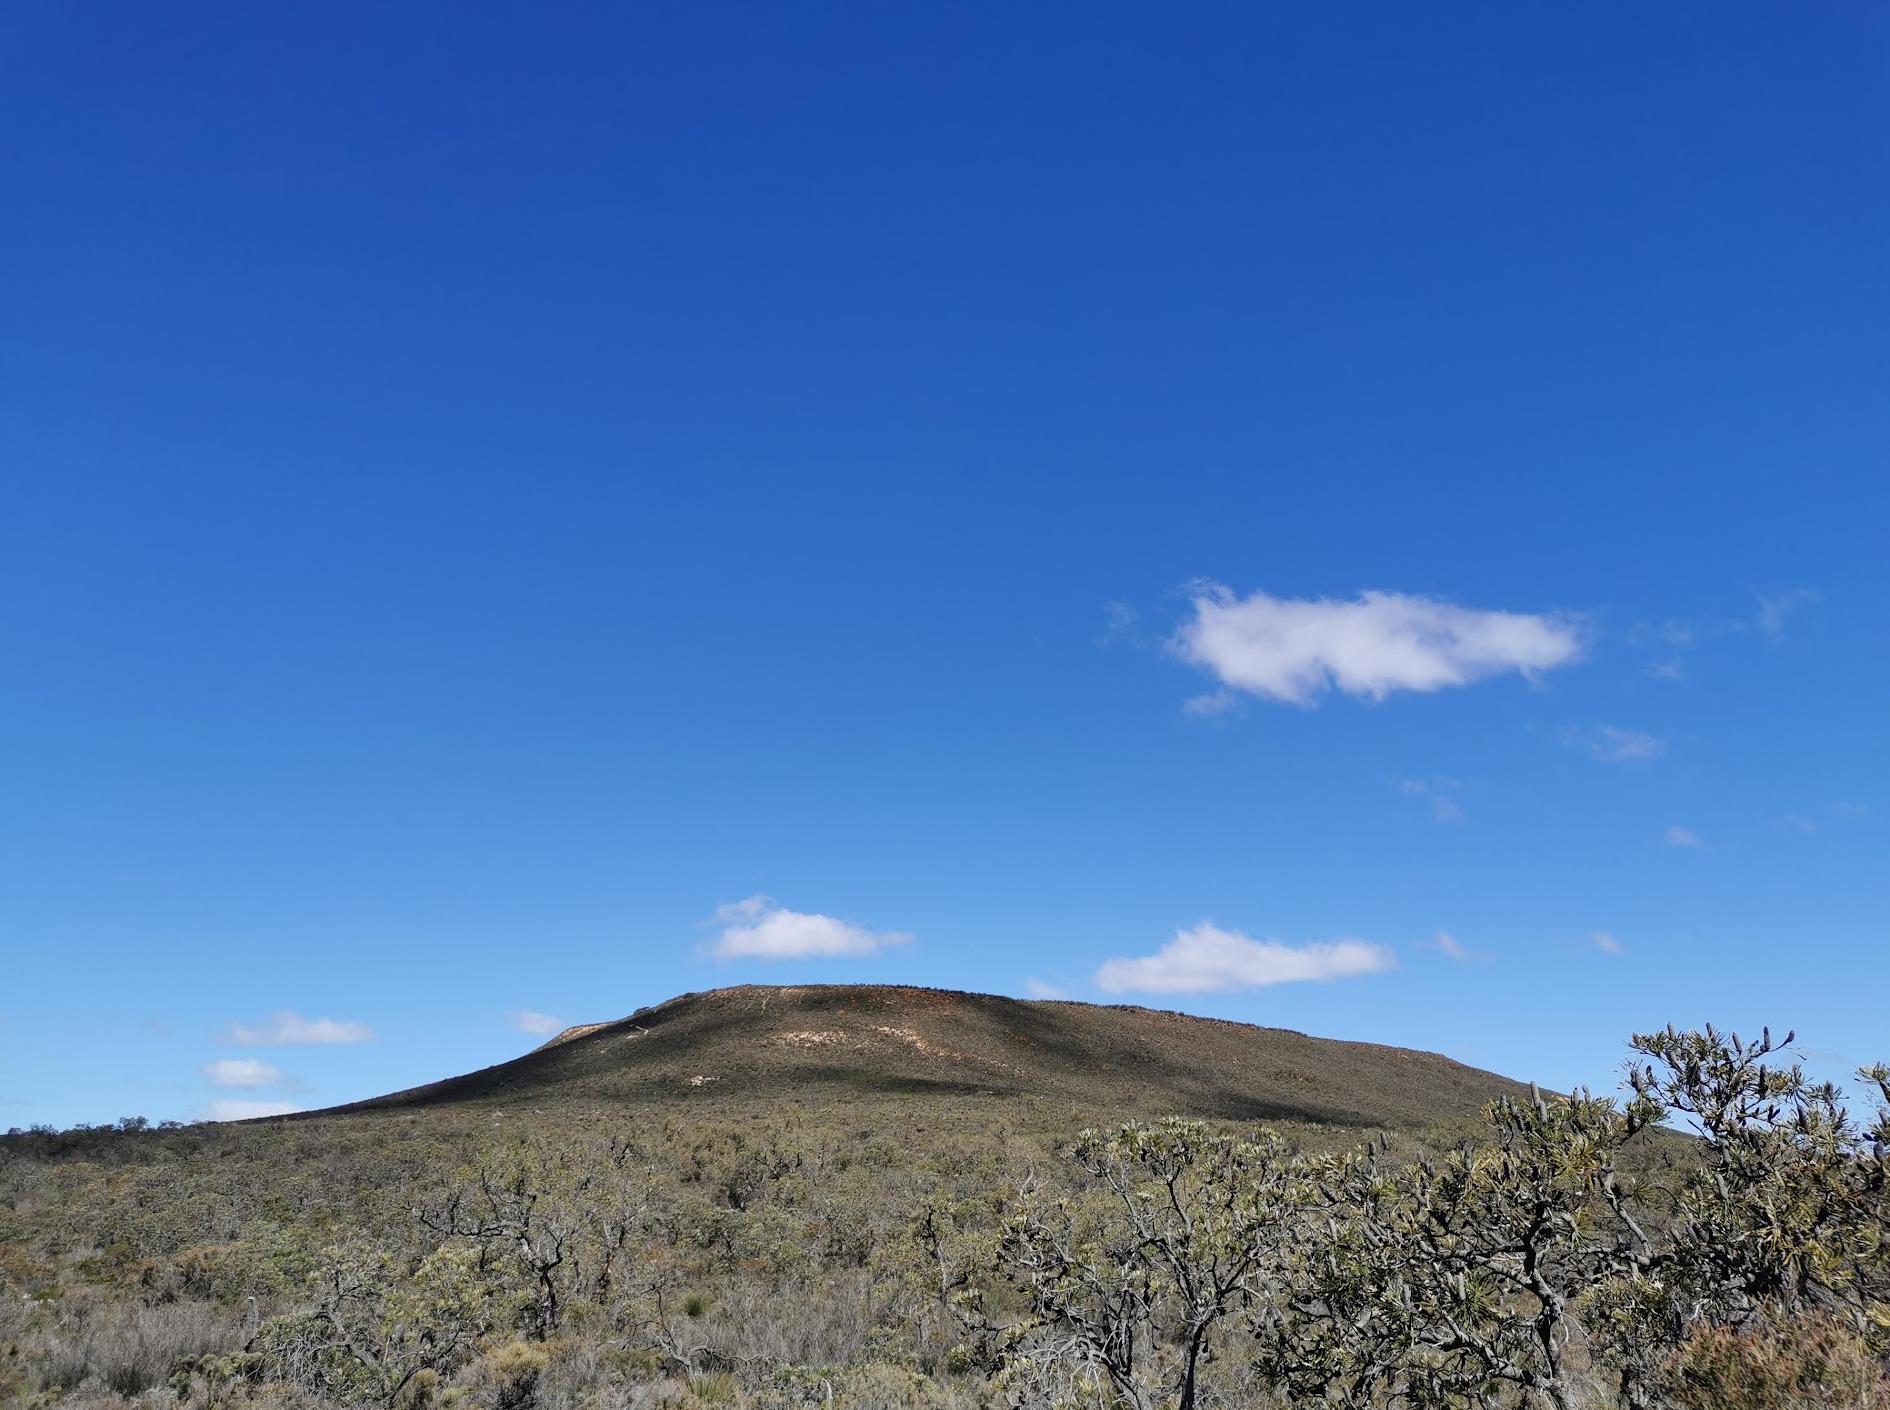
(289, 1027)
(758, 928)
(1606, 943)
(1122, 623)
(1444, 808)
(532, 1021)
(1675, 632)
(1037, 989)
(243, 1072)
(1672, 638)
(1840, 812)
(1682, 837)
(1776, 609)
(247, 1108)
(1206, 707)
(1207, 958)
(1450, 947)
(1613, 745)
(1296, 649)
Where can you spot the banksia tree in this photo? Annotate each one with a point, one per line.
(1526, 1269)
(1457, 1283)
(1176, 1228)
(1785, 1209)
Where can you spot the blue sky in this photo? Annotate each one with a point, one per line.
(524, 512)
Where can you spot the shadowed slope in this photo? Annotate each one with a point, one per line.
(756, 1043)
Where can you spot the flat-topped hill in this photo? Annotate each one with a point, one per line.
(759, 1043)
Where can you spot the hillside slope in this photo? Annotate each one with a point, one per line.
(824, 1042)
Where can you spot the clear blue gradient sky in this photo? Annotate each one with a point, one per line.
(486, 487)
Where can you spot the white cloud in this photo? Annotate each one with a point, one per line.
(243, 1072)
(245, 1108)
(1618, 746)
(757, 928)
(1295, 649)
(1606, 943)
(1775, 609)
(1446, 810)
(1209, 958)
(1037, 989)
(1798, 822)
(532, 1021)
(1674, 670)
(1682, 837)
(290, 1027)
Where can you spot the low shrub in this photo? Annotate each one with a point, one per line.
(1796, 1363)
(132, 1349)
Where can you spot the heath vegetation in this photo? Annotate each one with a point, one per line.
(1716, 1236)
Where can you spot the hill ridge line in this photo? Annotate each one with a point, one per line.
(751, 1047)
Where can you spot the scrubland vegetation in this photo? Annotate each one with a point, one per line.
(939, 1251)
